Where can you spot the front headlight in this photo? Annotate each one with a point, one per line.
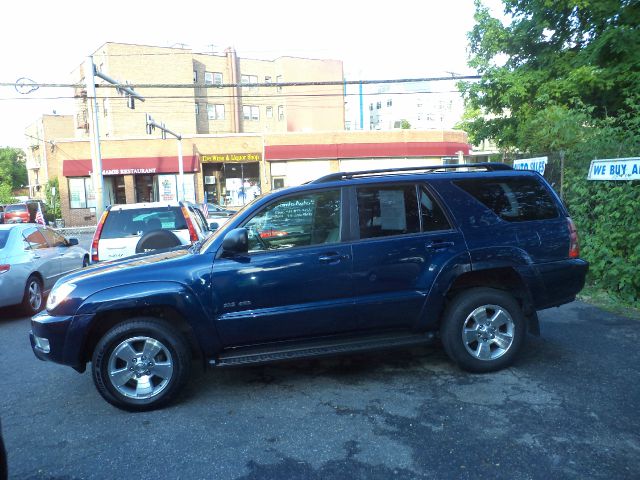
(58, 294)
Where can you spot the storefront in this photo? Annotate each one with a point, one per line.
(231, 179)
(125, 180)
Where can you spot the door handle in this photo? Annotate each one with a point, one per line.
(331, 258)
(438, 245)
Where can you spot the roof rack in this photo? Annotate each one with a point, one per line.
(487, 166)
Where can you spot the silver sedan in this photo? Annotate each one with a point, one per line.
(32, 258)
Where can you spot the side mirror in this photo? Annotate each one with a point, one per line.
(236, 241)
(72, 241)
(213, 226)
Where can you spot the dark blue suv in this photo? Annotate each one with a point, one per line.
(349, 262)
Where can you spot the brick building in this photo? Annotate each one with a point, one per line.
(202, 105)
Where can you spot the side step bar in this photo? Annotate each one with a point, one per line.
(328, 347)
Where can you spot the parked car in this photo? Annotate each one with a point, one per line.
(379, 259)
(32, 258)
(218, 215)
(24, 212)
(1, 214)
(125, 230)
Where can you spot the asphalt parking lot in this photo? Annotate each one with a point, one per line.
(567, 409)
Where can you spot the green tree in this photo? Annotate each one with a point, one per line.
(13, 170)
(405, 125)
(578, 54)
(53, 200)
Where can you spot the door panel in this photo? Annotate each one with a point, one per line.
(296, 279)
(283, 295)
(45, 258)
(405, 239)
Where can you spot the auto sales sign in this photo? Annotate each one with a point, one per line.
(615, 169)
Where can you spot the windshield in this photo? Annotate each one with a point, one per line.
(15, 208)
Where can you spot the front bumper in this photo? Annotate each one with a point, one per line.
(54, 330)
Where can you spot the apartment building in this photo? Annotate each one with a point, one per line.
(198, 93)
(40, 140)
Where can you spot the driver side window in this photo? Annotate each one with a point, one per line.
(297, 221)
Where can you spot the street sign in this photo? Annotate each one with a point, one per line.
(615, 169)
(537, 164)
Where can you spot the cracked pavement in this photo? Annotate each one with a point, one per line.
(566, 409)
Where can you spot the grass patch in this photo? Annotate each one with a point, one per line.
(608, 302)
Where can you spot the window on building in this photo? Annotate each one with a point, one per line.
(215, 112)
(269, 112)
(280, 112)
(195, 76)
(197, 108)
(279, 80)
(388, 210)
(213, 78)
(389, 103)
(81, 193)
(371, 107)
(247, 79)
(267, 79)
(250, 112)
(378, 105)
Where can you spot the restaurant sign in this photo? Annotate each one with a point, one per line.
(231, 157)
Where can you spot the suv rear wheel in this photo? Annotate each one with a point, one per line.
(483, 329)
(141, 364)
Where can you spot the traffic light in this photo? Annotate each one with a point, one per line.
(150, 126)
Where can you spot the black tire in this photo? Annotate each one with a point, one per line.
(157, 240)
(141, 334)
(32, 292)
(460, 325)
(85, 262)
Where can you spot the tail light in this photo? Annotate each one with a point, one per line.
(193, 236)
(5, 268)
(96, 237)
(574, 243)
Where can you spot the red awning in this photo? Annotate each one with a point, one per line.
(365, 150)
(130, 166)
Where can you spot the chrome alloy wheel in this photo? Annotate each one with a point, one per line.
(140, 367)
(35, 295)
(487, 333)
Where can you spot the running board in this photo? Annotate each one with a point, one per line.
(328, 347)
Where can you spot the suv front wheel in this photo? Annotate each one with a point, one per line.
(483, 329)
(141, 364)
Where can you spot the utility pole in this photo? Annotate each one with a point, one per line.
(94, 127)
(151, 126)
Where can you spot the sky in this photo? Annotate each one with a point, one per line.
(45, 40)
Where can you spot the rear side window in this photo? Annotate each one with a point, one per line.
(137, 221)
(388, 210)
(433, 218)
(516, 199)
(54, 239)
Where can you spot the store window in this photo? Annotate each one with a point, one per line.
(145, 191)
(114, 191)
(81, 193)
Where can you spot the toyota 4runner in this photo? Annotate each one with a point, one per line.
(347, 263)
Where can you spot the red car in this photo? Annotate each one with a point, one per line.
(22, 212)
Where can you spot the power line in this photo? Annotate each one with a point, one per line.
(212, 97)
(251, 85)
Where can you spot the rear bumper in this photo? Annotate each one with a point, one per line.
(562, 281)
